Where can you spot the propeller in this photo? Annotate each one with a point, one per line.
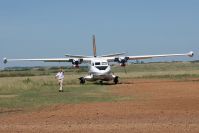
(76, 62)
(5, 60)
(122, 61)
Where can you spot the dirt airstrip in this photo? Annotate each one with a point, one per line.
(166, 106)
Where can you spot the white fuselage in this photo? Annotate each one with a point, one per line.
(99, 70)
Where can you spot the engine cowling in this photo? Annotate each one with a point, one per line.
(76, 62)
(5, 60)
(122, 61)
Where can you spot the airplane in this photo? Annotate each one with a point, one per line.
(99, 67)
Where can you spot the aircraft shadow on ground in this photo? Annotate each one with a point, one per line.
(105, 83)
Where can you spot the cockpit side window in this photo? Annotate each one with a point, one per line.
(104, 63)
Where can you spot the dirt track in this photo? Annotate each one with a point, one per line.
(153, 106)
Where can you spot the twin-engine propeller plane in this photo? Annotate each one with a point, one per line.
(99, 70)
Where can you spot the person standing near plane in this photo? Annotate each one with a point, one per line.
(60, 78)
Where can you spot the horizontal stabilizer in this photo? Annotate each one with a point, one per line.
(77, 56)
(112, 55)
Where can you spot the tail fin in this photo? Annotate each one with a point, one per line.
(94, 47)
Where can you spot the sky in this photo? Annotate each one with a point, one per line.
(52, 28)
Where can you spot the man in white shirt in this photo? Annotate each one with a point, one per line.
(60, 78)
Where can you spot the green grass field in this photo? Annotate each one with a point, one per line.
(31, 92)
(175, 70)
(37, 88)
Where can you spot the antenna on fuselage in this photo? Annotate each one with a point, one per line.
(94, 47)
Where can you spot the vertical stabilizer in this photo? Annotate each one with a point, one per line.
(94, 47)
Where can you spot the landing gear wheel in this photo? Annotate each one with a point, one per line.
(82, 80)
(101, 82)
(116, 80)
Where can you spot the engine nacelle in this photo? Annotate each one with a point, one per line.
(191, 54)
(76, 62)
(5, 60)
(122, 61)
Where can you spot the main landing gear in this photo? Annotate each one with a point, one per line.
(116, 80)
(82, 80)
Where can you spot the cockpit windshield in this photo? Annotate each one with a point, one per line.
(101, 65)
(97, 63)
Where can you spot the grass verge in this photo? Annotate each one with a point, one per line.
(40, 91)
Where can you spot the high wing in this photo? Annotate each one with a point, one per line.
(190, 54)
(78, 60)
(5, 60)
(116, 58)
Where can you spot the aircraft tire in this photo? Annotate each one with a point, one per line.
(116, 80)
(101, 82)
(82, 80)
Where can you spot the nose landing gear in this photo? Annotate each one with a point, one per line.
(116, 80)
(82, 80)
